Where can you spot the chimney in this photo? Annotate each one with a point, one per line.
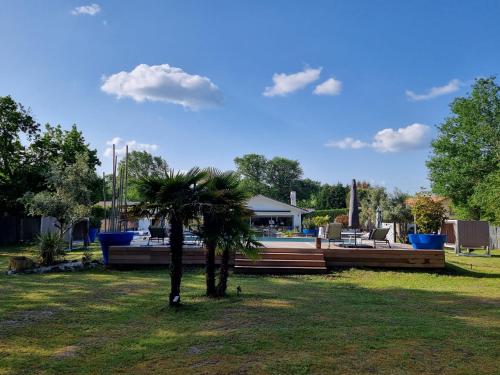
(293, 198)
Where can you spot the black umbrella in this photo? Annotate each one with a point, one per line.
(354, 209)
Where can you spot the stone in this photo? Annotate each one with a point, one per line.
(20, 263)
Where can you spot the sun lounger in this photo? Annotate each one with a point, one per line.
(334, 233)
(378, 235)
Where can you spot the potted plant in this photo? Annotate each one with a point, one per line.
(429, 214)
(97, 214)
(309, 226)
(117, 234)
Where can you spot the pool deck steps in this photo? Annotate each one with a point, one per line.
(282, 261)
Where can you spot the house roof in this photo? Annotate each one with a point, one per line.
(275, 203)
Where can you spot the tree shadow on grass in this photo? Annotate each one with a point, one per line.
(450, 270)
(311, 323)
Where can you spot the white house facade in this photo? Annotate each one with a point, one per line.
(272, 213)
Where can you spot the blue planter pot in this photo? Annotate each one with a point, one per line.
(93, 234)
(311, 232)
(108, 239)
(427, 241)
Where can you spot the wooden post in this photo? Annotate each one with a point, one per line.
(126, 187)
(104, 197)
(113, 194)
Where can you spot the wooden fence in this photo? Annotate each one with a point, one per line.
(494, 237)
(16, 229)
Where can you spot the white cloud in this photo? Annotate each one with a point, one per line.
(164, 83)
(90, 10)
(347, 143)
(452, 86)
(329, 87)
(411, 137)
(287, 83)
(120, 147)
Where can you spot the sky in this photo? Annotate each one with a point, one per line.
(351, 89)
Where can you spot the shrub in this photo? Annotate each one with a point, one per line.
(429, 213)
(332, 214)
(50, 247)
(97, 214)
(288, 233)
(342, 219)
(308, 223)
(320, 220)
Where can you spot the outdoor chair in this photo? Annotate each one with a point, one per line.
(378, 235)
(334, 233)
(157, 233)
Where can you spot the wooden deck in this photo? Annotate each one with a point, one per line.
(288, 257)
(385, 258)
(156, 255)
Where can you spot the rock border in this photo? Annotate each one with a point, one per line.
(74, 265)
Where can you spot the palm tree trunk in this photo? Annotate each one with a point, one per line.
(176, 242)
(210, 269)
(224, 273)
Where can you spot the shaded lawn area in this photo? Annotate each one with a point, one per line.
(347, 322)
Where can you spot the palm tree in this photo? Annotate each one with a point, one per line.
(237, 236)
(221, 194)
(225, 225)
(176, 198)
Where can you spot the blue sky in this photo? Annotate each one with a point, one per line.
(206, 93)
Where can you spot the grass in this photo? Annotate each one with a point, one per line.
(348, 322)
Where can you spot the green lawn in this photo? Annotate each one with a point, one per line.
(348, 322)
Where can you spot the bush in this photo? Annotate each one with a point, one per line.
(429, 213)
(50, 247)
(342, 219)
(97, 214)
(332, 214)
(308, 223)
(319, 221)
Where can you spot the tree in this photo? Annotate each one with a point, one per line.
(253, 170)
(275, 177)
(15, 174)
(282, 175)
(429, 213)
(143, 164)
(467, 148)
(220, 199)
(237, 236)
(23, 168)
(176, 197)
(69, 197)
(373, 198)
(62, 146)
(252, 166)
(395, 210)
(307, 191)
(487, 196)
(332, 196)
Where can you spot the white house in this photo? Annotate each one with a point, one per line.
(272, 213)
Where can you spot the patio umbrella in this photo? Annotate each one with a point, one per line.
(354, 209)
(378, 218)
